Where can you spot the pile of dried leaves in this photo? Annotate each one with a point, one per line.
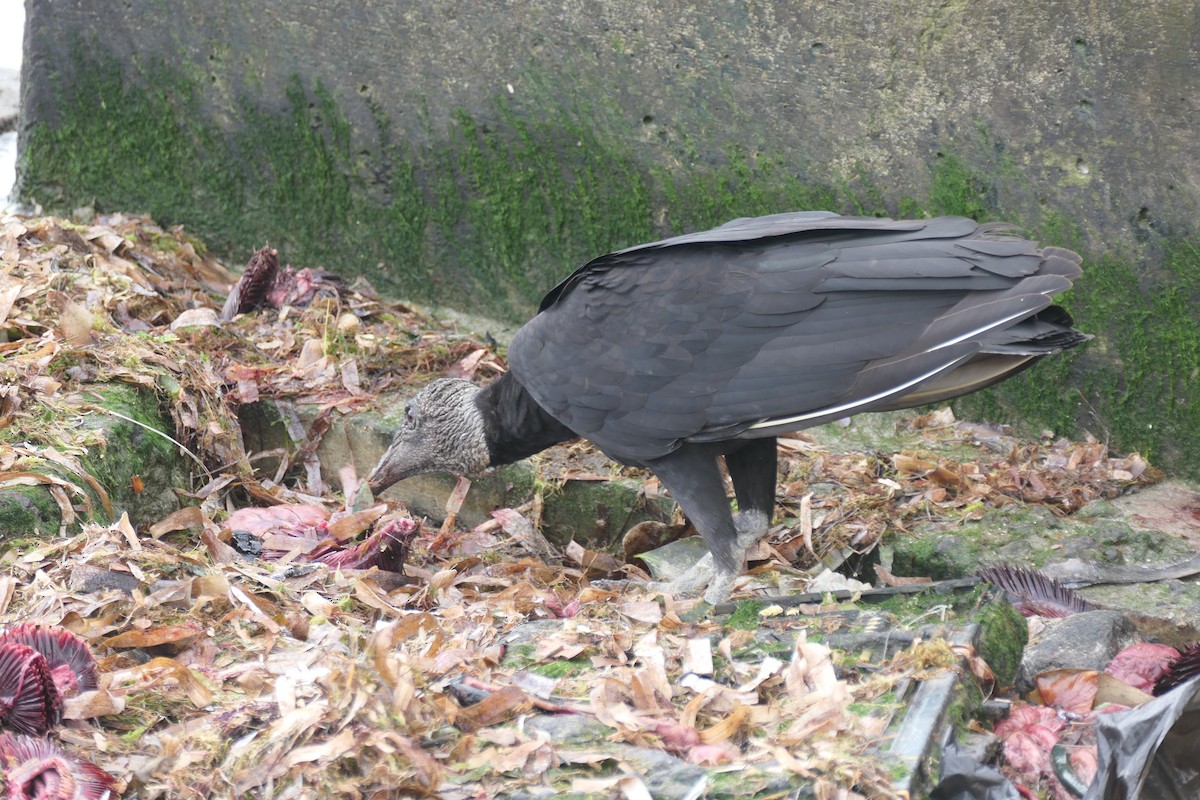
(840, 504)
(125, 301)
(224, 676)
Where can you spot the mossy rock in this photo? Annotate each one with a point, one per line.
(1003, 634)
(136, 447)
(127, 455)
(27, 511)
(1029, 536)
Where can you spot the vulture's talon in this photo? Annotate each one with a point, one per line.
(680, 353)
(751, 526)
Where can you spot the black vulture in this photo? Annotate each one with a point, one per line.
(673, 354)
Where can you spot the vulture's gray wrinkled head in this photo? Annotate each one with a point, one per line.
(443, 431)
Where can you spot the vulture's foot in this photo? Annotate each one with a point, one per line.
(720, 583)
(704, 576)
(683, 586)
(751, 528)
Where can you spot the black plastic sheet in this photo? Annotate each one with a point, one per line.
(1152, 751)
(964, 777)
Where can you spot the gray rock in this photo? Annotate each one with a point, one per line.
(674, 559)
(532, 631)
(569, 729)
(666, 777)
(1082, 641)
(86, 579)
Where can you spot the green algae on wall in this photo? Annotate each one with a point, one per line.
(489, 217)
(133, 150)
(747, 186)
(1137, 384)
(1147, 389)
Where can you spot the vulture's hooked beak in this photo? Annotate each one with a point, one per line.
(403, 459)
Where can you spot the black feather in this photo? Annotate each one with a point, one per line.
(1033, 594)
(781, 317)
(516, 426)
(1182, 670)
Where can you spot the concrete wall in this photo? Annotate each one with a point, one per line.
(1088, 106)
(471, 153)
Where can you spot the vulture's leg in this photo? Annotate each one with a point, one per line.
(753, 470)
(693, 478)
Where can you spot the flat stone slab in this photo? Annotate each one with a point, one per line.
(1172, 506)
(1081, 641)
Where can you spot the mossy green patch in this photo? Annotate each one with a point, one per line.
(912, 610)
(746, 615)
(594, 513)
(27, 511)
(117, 435)
(885, 705)
(1022, 534)
(754, 782)
(1030, 536)
(134, 446)
(1148, 381)
(561, 668)
(489, 216)
(956, 189)
(113, 153)
(745, 186)
(1136, 384)
(1003, 634)
(968, 697)
(519, 656)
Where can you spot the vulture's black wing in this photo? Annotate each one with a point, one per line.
(781, 322)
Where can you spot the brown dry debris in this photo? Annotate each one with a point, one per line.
(125, 301)
(880, 492)
(236, 679)
(301, 676)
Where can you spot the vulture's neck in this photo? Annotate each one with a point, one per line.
(515, 426)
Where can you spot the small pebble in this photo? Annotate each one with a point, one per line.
(347, 323)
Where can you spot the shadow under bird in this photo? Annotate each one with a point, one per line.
(675, 354)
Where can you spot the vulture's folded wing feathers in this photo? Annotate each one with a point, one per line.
(786, 321)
